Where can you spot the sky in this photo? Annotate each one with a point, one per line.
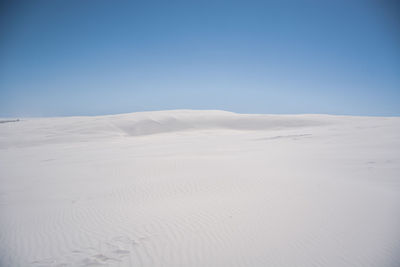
(95, 57)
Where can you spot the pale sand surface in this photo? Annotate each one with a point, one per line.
(200, 188)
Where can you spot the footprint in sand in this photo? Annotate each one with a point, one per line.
(113, 250)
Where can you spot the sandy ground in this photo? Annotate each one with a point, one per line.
(200, 188)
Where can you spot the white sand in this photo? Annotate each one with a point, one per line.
(200, 188)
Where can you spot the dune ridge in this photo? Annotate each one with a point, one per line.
(72, 129)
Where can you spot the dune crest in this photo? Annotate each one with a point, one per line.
(144, 123)
(82, 129)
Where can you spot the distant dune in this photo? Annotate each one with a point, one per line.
(200, 188)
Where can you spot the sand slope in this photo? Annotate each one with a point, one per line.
(200, 188)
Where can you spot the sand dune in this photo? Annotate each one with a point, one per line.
(200, 188)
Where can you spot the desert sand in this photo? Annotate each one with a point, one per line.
(200, 188)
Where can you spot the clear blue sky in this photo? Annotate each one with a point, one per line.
(92, 57)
